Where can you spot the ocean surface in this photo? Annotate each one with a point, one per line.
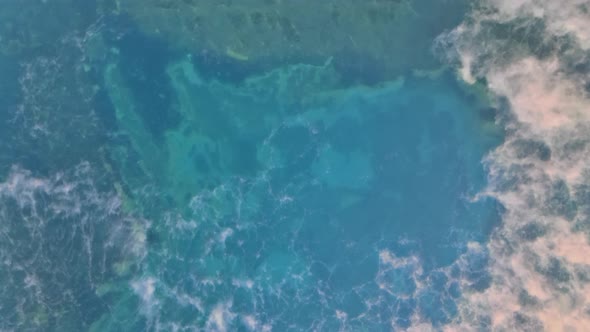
(410, 165)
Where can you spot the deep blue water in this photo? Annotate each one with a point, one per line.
(145, 188)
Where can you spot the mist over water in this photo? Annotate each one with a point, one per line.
(402, 166)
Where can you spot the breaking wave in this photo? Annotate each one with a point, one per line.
(533, 56)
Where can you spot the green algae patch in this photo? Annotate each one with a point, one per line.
(221, 127)
(235, 55)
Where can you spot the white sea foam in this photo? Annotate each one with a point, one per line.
(145, 289)
(44, 220)
(220, 317)
(254, 325)
(562, 17)
(539, 255)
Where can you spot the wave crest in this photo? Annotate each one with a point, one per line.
(533, 57)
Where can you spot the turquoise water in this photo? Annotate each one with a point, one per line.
(146, 186)
(303, 185)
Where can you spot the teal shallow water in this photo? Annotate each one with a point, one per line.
(307, 189)
(157, 195)
(269, 165)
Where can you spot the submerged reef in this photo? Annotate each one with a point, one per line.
(376, 40)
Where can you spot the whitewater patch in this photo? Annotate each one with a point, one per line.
(62, 239)
(533, 57)
(145, 289)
